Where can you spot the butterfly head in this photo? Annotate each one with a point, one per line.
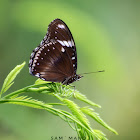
(78, 77)
(72, 79)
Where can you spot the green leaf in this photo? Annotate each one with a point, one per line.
(96, 117)
(83, 98)
(76, 111)
(39, 81)
(8, 86)
(25, 101)
(11, 76)
(100, 134)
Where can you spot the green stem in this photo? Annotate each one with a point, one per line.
(48, 108)
(25, 89)
(56, 104)
(15, 93)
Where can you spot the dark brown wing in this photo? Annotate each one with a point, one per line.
(55, 59)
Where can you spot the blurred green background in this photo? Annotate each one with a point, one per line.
(107, 36)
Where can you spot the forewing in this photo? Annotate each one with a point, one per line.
(59, 32)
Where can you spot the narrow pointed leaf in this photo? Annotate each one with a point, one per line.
(83, 98)
(100, 134)
(7, 87)
(11, 76)
(97, 118)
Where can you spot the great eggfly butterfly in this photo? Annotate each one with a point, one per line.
(55, 59)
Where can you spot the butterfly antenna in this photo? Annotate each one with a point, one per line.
(93, 72)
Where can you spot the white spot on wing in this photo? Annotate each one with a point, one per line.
(37, 75)
(61, 26)
(41, 42)
(36, 49)
(32, 54)
(62, 49)
(35, 60)
(73, 54)
(30, 61)
(70, 44)
(38, 54)
(66, 43)
(61, 42)
(42, 73)
(30, 70)
(43, 79)
(45, 37)
(73, 58)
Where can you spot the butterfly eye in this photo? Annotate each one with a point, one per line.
(55, 59)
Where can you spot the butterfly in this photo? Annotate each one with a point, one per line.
(55, 59)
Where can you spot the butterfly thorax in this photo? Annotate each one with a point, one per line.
(71, 79)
